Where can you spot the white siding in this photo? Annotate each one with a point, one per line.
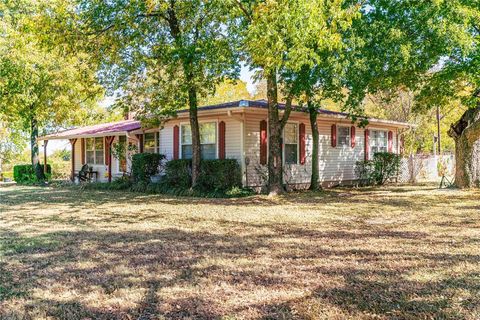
(336, 165)
(233, 145)
(166, 140)
(256, 173)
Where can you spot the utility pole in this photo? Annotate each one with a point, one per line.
(439, 142)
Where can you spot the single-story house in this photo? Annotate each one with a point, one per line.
(238, 130)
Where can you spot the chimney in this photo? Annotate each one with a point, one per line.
(128, 115)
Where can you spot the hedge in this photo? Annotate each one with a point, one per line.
(178, 174)
(25, 173)
(215, 175)
(383, 167)
(145, 165)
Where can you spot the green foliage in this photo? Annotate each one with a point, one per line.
(26, 174)
(215, 175)
(219, 175)
(122, 183)
(178, 174)
(378, 171)
(145, 165)
(163, 188)
(157, 53)
(6, 175)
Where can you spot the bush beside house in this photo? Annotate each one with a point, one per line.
(382, 168)
(218, 178)
(26, 173)
(146, 165)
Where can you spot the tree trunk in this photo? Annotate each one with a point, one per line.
(34, 149)
(466, 134)
(196, 154)
(314, 180)
(275, 170)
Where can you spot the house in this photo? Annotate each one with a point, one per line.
(238, 130)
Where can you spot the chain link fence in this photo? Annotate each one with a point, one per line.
(426, 168)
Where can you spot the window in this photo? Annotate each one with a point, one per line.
(378, 141)
(150, 144)
(343, 136)
(94, 150)
(208, 141)
(122, 140)
(290, 138)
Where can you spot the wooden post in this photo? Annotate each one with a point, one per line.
(109, 141)
(72, 142)
(45, 142)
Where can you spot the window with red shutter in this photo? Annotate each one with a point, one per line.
(334, 135)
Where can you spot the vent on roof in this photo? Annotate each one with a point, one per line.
(243, 103)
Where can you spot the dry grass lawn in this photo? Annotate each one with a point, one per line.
(395, 253)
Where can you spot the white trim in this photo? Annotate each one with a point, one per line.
(370, 129)
(94, 152)
(199, 123)
(298, 143)
(117, 138)
(349, 136)
(156, 138)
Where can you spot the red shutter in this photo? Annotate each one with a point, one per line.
(82, 142)
(301, 133)
(263, 142)
(390, 141)
(334, 135)
(176, 142)
(352, 136)
(367, 144)
(105, 149)
(221, 140)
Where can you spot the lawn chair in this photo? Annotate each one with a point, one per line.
(83, 173)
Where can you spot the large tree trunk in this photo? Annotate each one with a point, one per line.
(314, 180)
(186, 59)
(275, 170)
(196, 154)
(34, 149)
(466, 134)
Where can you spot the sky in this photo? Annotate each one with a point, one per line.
(246, 75)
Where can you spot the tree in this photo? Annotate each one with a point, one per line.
(11, 143)
(163, 55)
(283, 38)
(39, 86)
(228, 91)
(429, 46)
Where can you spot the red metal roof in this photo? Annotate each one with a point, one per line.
(96, 130)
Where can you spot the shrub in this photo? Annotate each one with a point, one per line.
(122, 183)
(26, 173)
(378, 171)
(215, 175)
(219, 175)
(145, 165)
(178, 174)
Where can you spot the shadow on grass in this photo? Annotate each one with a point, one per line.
(373, 282)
